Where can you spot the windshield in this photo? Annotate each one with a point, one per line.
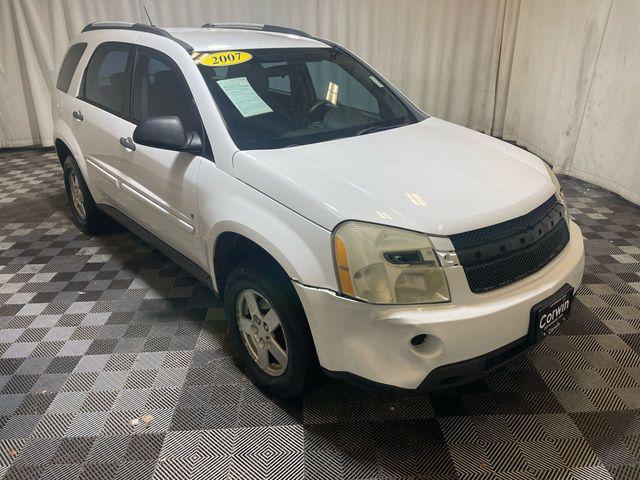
(274, 98)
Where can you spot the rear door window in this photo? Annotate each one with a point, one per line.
(69, 65)
(107, 79)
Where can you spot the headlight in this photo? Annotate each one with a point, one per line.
(387, 265)
(556, 183)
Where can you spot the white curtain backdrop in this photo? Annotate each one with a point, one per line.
(560, 77)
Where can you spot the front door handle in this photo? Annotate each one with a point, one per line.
(127, 143)
(77, 114)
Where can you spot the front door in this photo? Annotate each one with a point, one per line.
(159, 186)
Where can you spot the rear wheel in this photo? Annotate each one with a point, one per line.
(269, 329)
(85, 213)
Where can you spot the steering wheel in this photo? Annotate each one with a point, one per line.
(315, 108)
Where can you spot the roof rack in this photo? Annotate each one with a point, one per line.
(258, 26)
(138, 27)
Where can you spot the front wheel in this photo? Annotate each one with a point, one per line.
(269, 329)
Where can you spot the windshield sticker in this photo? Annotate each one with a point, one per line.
(222, 59)
(243, 96)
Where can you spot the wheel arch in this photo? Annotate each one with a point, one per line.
(62, 150)
(66, 145)
(234, 244)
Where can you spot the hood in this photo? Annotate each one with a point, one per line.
(433, 176)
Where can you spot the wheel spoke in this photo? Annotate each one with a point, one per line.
(263, 356)
(272, 320)
(278, 353)
(80, 208)
(245, 325)
(252, 304)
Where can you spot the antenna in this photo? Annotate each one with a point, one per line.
(145, 11)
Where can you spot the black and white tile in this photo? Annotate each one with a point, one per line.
(114, 364)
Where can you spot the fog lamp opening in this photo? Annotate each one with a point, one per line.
(419, 340)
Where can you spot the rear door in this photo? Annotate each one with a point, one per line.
(104, 100)
(159, 186)
(64, 103)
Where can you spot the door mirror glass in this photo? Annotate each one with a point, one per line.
(167, 133)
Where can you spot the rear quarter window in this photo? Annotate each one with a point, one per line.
(69, 65)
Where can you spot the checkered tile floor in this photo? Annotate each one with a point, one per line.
(114, 364)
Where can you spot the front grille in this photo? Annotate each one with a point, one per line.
(495, 256)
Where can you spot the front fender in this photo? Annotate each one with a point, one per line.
(301, 247)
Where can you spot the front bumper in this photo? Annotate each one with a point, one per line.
(465, 337)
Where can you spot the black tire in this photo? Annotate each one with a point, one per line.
(92, 220)
(302, 366)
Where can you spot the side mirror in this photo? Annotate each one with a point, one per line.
(167, 133)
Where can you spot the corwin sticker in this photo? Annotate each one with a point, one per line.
(550, 318)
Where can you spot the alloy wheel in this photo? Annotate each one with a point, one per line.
(76, 196)
(262, 332)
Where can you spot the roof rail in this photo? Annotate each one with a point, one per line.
(138, 27)
(258, 26)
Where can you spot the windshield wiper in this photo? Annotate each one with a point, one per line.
(375, 128)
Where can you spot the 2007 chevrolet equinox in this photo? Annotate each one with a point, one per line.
(343, 228)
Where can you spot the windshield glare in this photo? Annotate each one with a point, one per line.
(286, 97)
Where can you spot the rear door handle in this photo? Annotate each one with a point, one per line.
(127, 143)
(77, 114)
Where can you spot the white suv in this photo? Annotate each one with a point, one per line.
(342, 227)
